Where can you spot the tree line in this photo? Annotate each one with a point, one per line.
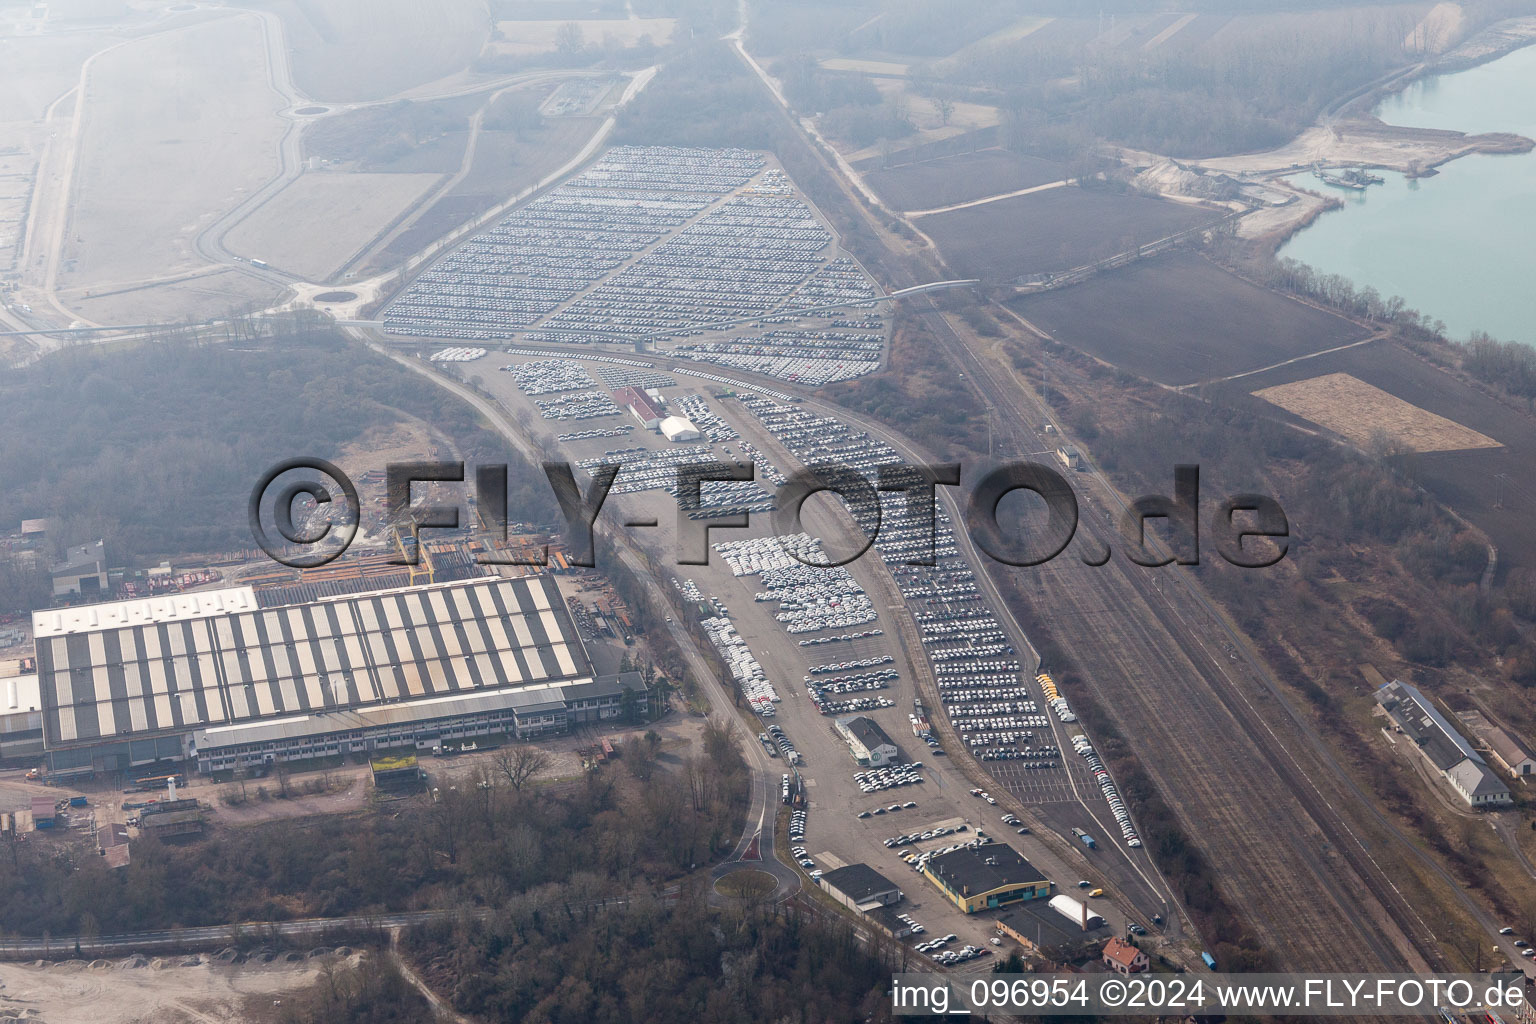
(156, 449)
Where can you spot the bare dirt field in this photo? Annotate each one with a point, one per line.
(504, 164)
(1494, 488)
(869, 67)
(313, 226)
(528, 38)
(959, 179)
(357, 50)
(780, 28)
(161, 991)
(1179, 318)
(205, 295)
(38, 69)
(433, 223)
(1353, 409)
(1054, 230)
(179, 128)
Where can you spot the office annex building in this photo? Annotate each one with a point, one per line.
(215, 677)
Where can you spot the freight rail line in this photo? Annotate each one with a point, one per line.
(1011, 396)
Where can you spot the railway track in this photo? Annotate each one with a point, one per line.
(1148, 639)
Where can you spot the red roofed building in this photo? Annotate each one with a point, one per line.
(1124, 958)
(640, 406)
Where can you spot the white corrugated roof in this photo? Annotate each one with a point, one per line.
(524, 699)
(28, 695)
(677, 426)
(142, 611)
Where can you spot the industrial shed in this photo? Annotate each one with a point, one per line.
(1442, 745)
(1510, 752)
(984, 877)
(1043, 931)
(679, 428)
(860, 887)
(133, 682)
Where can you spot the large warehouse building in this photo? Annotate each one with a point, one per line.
(1442, 745)
(216, 677)
(986, 877)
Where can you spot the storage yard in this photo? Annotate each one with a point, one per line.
(812, 648)
(661, 246)
(220, 678)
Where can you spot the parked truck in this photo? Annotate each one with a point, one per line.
(1087, 840)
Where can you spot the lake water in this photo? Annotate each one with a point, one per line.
(1459, 246)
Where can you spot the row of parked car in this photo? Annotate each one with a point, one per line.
(966, 953)
(840, 666)
(853, 706)
(550, 376)
(742, 663)
(1107, 787)
(584, 435)
(635, 374)
(710, 423)
(892, 809)
(817, 641)
(974, 659)
(577, 405)
(891, 777)
(922, 837)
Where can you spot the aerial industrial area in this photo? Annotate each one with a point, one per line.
(768, 500)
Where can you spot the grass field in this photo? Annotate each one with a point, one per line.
(1178, 319)
(318, 222)
(210, 295)
(178, 128)
(357, 50)
(40, 68)
(407, 136)
(1361, 412)
(505, 163)
(528, 38)
(959, 179)
(1055, 230)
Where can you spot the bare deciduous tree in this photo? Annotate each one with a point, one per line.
(521, 765)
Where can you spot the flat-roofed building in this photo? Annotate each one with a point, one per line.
(83, 571)
(860, 887)
(21, 716)
(1044, 932)
(216, 676)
